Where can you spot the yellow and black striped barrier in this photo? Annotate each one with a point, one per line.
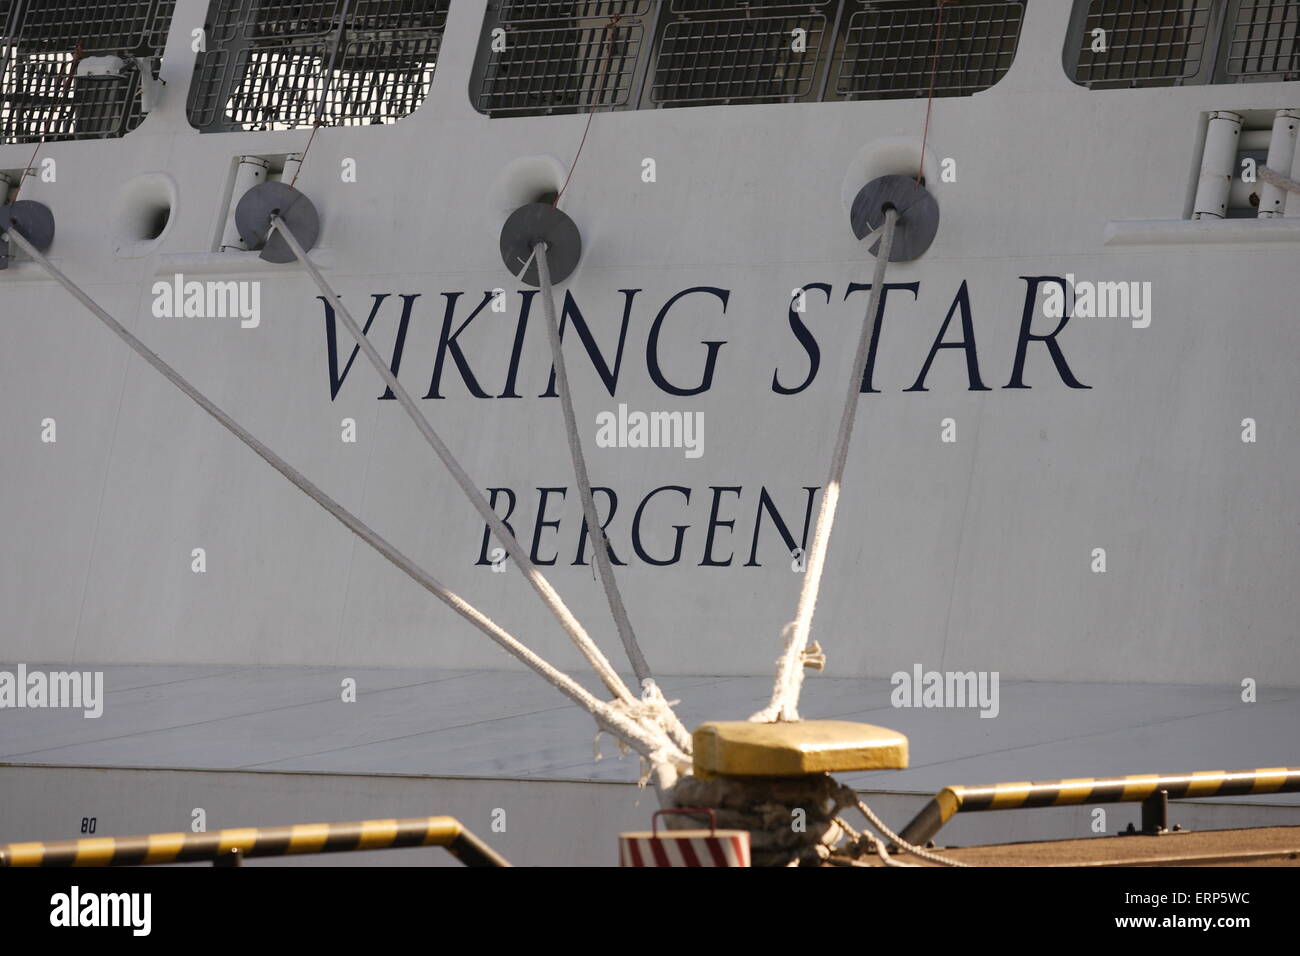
(1138, 788)
(230, 846)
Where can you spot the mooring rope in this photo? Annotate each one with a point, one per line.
(651, 741)
(846, 796)
(548, 594)
(1274, 178)
(865, 841)
(784, 705)
(650, 692)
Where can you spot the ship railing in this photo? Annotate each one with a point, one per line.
(230, 847)
(1153, 791)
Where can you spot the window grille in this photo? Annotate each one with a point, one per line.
(750, 57)
(1264, 41)
(890, 49)
(1146, 43)
(537, 56)
(536, 11)
(268, 63)
(39, 94)
(688, 7)
(562, 57)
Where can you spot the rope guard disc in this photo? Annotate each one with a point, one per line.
(33, 219)
(253, 220)
(918, 215)
(534, 223)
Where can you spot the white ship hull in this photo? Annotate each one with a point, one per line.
(971, 555)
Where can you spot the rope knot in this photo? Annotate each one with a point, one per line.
(654, 714)
(652, 695)
(651, 709)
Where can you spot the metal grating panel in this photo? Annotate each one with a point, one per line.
(688, 7)
(284, 19)
(542, 11)
(1148, 43)
(399, 14)
(276, 87)
(102, 27)
(276, 18)
(206, 96)
(736, 60)
(568, 57)
(1265, 41)
(890, 49)
(382, 80)
(268, 63)
(566, 68)
(39, 96)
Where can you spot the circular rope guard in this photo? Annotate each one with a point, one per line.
(918, 215)
(534, 223)
(33, 219)
(253, 220)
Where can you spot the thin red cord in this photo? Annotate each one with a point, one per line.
(934, 68)
(303, 161)
(77, 55)
(556, 201)
(317, 123)
(609, 49)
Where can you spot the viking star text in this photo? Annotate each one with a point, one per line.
(476, 351)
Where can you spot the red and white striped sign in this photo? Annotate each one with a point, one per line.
(684, 848)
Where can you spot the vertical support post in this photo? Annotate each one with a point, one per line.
(824, 85)
(1155, 812)
(1281, 152)
(250, 172)
(650, 32)
(1218, 162)
(1293, 205)
(292, 163)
